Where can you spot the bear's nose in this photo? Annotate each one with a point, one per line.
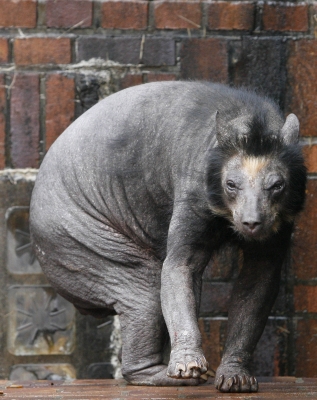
(251, 225)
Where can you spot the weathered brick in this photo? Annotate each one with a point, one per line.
(310, 153)
(120, 49)
(2, 120)
(305, 298)
(285, 17)
(18, 13)
(24, 121)
(204, 59)
(124, 14)
(4, 50)
(306, 348)
(60, 106)
(128, 50)
(131, 80)
(215, 297)
(87, 87)
(260, 63)
(40, 50)
(70, 13)
(158, 77)
(301, 94)
(158, 52)
(304, 250)
(223, 15)
(177, 14)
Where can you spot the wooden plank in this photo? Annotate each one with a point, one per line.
(270, 388)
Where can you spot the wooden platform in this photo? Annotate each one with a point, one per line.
(271, 388)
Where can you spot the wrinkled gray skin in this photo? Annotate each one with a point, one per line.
(121, 223)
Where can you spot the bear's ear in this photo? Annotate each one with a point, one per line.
(290, 130)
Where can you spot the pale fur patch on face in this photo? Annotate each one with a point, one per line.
(221, 212)
(253, 165)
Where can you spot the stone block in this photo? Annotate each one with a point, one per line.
(34, 372)
(40, 322)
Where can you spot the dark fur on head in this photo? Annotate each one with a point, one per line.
(252, 134)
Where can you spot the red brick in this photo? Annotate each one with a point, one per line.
(70, 13)
(24, 121)
(131, 80)
(285, 17)
(18, 13)
(33, 51)
(310, 153)
(204, 59)
(177, 14)
(304, 250)
(158, 77)
(301, 95)
(124, 14)
(224, 15)
(213, 332)
(2, 121)
(306, 348)
(60, 106)
(305, 298)
(4, 50)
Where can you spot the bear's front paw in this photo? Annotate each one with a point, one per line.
(187, 364)
(228, 380)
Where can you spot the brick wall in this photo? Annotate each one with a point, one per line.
(58, 58)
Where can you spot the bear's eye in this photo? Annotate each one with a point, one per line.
(231, 185)
(277, 186)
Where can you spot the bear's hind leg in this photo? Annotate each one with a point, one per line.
(144, 335)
